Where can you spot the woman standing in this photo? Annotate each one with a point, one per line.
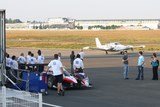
(155, 64)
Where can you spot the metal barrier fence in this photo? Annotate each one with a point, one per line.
(15, 98)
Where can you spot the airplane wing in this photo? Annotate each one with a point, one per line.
(141, 46)
(95, 48)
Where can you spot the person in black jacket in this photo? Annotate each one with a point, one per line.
(72, 57)
(125, 65)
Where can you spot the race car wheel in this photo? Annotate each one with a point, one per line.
(50, 81)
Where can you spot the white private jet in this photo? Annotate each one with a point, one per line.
(112, 47)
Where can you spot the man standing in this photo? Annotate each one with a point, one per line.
(125, 65)
(8, 62)
(59, 56)
(57, 68)
(28, 56)
(40, 60)
(78, 65)
(72, 57)
(21, 61)
(82, 54)
(14, 67)
(32, 60)
(140, 66)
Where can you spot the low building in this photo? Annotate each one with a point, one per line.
(25, 26)
(68, 23)
(137, 23)
(17, 26)
(60, 23)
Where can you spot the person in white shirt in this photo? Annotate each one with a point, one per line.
(82, 55)
(22, 61)
(40, 60)
(8, 62)
(59, 56)
(8, 66)
(57, 68)
(33, 61)
(78, 65)
(140, 64)
(14, 63)
(28, 56)
(14, 67)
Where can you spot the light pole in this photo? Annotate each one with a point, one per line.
(2, 46)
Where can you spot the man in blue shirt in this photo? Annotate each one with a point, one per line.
(140, 66)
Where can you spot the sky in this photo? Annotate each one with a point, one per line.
(41, 10)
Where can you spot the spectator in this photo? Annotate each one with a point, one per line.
(32, 61)
(125, 65)
(82, 54)
(72, 57)
(22, 61)
(8, 62)
(28, 56)
(155, 64)
(40, 60)
(14, 67)
(140, 66)
(8, 66)
(14, 63)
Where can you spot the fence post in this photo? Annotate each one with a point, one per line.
(3, 96)
(40, 100)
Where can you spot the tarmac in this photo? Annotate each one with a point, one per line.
(109, 88)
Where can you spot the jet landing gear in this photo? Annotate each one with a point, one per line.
(122, 52)
(132, 49)
(106, 53)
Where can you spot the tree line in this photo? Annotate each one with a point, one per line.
(104, 27)
(13, 20)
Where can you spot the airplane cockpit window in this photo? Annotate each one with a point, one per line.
(117, 43)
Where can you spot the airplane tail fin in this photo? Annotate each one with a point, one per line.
(98, 43)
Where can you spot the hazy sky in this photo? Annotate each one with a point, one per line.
(81, 9)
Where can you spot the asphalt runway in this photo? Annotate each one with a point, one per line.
(109, 87)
